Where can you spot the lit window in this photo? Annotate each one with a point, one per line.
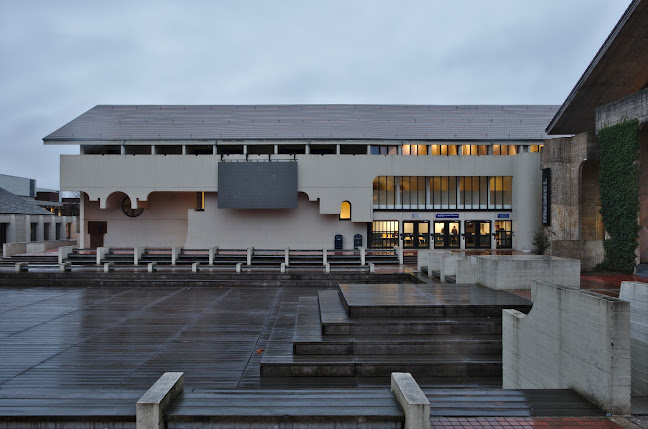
(345, 210)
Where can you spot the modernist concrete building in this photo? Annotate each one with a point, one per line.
(276, 176)
(614, 87)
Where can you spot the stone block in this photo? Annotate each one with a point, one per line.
(519, 271)
(151, 406)
(412, 400)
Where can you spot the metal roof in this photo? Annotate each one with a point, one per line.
(13, 204)
(290, 122)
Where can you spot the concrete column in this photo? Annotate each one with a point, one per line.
(368, 149)
(40, 230)
(337, 149)
(151, 406)
(412, 400)
(27, 234)
(287, 256)
(82, 227)
(137, 254)
(324, 256)
(276, 149)
(153, 149)
(213, 251)
(429, 264)
(363, 255)
(184, 149)
(64, 252)
(214, 149)
(122, 149)
(175, 253)
(399, 253)
(245, 150)
(307, 149)
(11, 230)
(101, 253)
(250, 251)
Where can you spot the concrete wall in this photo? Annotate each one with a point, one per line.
(19, 227)
(634, 106)
(571, 339)
(589, 253)
(10, 249)
(637, 294)
(300, 228)
(520, 271)
(327, 179)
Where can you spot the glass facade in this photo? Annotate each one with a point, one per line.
(443, 193)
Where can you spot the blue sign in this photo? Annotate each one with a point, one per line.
(447, 216)
(503, 215)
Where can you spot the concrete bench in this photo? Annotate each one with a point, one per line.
(151, 406)
(412, 400)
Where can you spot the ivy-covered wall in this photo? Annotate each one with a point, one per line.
(619, 184)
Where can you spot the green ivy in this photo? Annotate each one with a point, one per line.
(619, 182)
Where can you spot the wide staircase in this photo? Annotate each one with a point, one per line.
(435, 332)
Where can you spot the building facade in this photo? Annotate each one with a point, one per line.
(302, 176)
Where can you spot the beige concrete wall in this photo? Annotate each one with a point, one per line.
(636, 294)
(589, 253)
(162, 224)
(571, 339)
(300, 228)
(328, 180)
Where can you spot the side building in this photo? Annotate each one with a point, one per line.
(307, 176)
(613, 89)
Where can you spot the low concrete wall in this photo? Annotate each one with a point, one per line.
(589, 252)
(10, 249)
(571, 339)
(467, 270)
(519, 271)
(637, 294)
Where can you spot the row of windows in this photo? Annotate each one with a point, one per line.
(442, 192)
(314, 149)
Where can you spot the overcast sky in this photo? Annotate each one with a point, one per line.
(60, 58)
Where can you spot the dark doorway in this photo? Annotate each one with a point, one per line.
(416, 234)
(3, 233)
(503, 234)
(446, 234)
(97, 229)
(478, 234)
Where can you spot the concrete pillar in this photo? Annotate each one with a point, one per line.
(175, 253)
(368, 149)
(276, 149)
(153, 149)
(399, 253)
(27, 232)
(101, 253)
(250, 251)
(151, 406)
(184, 149)
(245, 150)
(307, 149)
(40, 234)
(287, 256)
(412, 400)
(214, 149)
(137, 254)
(11, 230)
(324, 256)
(213, 251)
(363, 255)
(337, 149)
(442, 270)
(64, 252)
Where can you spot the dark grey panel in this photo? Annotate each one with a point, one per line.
(291, 122)
(257, 185)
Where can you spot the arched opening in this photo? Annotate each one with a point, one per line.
(590, 210)
(345, 210)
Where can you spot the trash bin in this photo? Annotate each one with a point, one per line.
(357, 241)
(338, 241)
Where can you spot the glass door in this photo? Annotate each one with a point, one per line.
(384, 233)
(503, 234)
(478, 234)
(446, 234)
(416, 234)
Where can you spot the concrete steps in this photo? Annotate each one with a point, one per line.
(371, 331)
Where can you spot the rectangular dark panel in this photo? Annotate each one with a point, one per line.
(257, 185)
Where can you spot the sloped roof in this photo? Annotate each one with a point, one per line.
(286, 122)
(13, 204)
(619, 68)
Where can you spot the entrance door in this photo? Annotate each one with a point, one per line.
(503, 234)
(446, 234)
(478, 234)
(97, 231)
(416, 234)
